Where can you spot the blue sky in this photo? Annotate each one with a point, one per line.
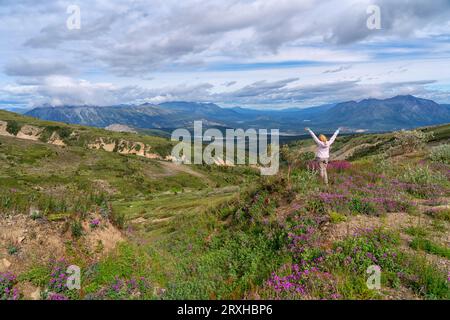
(255, 53)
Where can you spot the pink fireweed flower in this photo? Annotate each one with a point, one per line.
(94, 223)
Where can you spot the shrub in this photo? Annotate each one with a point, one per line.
(441, 154)
(419, 243)
(363, 207)
(57, 278)
(64, 132)
(333, 201)
(336, 217)
(422, 175)
(416, 231)
(38, 275)
(12, 250)
(364, 248)
(307, 156)
(13, 127)
(46, 134)
(77, 229)
(424, 278)
(365, 151)
(35, 214)
(294, 160)
(117, 218)
(303, 180)
(409, 141)
(315, 205)
(7, 289)
(438, 213)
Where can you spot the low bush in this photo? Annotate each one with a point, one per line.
(420, 243)
(441, 154)
(409, 141)
(336, 217)
(8, 291)
(77, 229)
(360, 206)
(419, 175)
(13, 127)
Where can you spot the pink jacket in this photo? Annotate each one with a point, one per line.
(323, 148)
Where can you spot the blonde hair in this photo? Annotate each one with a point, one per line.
(323, 138)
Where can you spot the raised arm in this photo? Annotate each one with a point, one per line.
(334, 136)
(320, 143)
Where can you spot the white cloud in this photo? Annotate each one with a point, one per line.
(225, 51)
(26, 68)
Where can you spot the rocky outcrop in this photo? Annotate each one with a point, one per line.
(28, 132)
(3, 131)
(124, 147)
(56, 140)
(102, 144)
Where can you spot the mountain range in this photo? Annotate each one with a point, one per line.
(399, 112)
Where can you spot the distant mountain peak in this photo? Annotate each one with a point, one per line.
(410, 98)
(402, 111)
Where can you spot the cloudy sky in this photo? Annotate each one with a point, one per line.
(257, 53)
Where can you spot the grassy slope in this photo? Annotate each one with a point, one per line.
(61, 182)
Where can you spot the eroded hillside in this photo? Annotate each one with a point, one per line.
(13, 125)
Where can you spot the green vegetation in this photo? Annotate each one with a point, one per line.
(422, 175)
(420, 243)
(441, 154)
(13, 127)
(12, 249)
(210, 232)
(80, 136)
(425, 279)
(77, 229)
(336, 217)
(416, 231)
(439, 214)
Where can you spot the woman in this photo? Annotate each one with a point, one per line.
(323, 151)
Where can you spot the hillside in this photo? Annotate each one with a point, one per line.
(14, 125)
(142, 228)
(401, 112)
